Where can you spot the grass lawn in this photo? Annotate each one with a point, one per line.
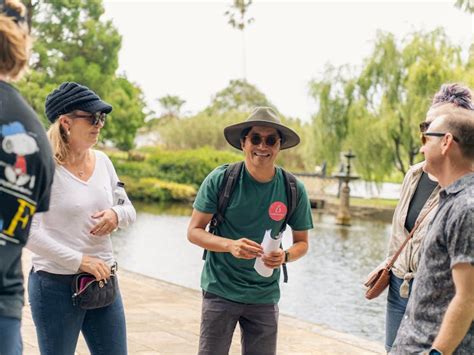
(368, 202)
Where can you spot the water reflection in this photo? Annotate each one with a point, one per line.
(175, 209)
(324, 287)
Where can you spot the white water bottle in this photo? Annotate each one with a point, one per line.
(269, 244)
(119, 194)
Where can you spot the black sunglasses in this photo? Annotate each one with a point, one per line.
(93, 118)
(269, 141)
(424, 126)
(423, 136)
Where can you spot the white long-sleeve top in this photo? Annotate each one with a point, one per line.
(61, 236)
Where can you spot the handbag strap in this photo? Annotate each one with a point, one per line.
(417, 224)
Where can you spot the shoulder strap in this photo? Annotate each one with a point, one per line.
(291, 195)
(231, 175)
(417, 224)
(226, 189)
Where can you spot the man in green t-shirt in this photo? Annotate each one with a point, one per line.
(248, 239)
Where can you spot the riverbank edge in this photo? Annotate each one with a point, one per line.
(383, 214)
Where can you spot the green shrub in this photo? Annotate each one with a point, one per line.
(190, 166)
(184, 167)
(134, 168)
(207, 129)
(155, 190)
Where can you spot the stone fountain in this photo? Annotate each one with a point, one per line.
(344, 215)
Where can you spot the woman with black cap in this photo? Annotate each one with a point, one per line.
(26, 171)
(74, 235)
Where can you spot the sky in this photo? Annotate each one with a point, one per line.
(187, 48)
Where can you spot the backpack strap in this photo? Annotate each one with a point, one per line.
(292, 197)
(231, 175)
(226, 189)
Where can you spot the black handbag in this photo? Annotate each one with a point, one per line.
(88, 293)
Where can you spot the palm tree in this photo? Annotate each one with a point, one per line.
(237, 19)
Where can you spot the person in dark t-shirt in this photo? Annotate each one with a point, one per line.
(26, 171)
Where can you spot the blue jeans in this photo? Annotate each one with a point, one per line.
(58, 322)
(10, 336)
(396, 306)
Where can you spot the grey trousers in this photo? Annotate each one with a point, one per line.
(258, 326)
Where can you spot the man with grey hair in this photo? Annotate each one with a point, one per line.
(440, 312)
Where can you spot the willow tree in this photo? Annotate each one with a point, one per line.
(333, 94)
(465, 5)
(377, 112)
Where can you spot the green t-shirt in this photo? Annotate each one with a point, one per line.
(253, 208)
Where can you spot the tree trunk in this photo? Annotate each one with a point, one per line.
(398, 157)
(30, 7)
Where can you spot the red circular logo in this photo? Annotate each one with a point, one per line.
(277, 211)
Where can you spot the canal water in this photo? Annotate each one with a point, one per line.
(325, 287)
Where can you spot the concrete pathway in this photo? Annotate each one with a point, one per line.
(163, 318)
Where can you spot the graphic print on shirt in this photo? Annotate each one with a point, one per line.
(17, 141)
(277, 211)
(19, 223)
(16, 184)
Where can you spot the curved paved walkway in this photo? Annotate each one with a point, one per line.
(163, 318)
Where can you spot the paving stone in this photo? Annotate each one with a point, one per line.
(163, 318)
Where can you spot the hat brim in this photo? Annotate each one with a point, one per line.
(99, 106)
(93, 107)
(232, 133)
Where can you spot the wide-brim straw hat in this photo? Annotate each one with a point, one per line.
(266, 117)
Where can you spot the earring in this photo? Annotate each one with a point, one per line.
(68, 132)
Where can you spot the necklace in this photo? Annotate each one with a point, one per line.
(80, 171)
(81, 168)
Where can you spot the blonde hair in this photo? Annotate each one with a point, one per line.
(15, 43)
(58, 139)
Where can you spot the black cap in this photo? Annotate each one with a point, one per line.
(72, 96)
